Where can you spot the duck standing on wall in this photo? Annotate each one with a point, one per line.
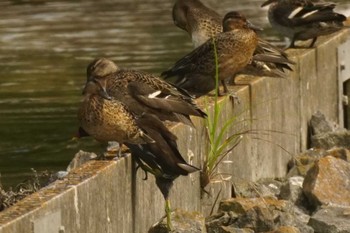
(234, 48)
(202, 23)
(130, 107)
(304, 19)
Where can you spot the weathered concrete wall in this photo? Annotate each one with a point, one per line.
(107, 196)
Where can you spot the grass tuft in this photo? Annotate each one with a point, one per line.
(219, 145)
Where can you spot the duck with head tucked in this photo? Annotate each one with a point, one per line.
(234, 47)
(130, 107)
(304, 19)
(202, 23)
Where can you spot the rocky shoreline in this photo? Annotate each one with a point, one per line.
(314, 197)
(317, 202)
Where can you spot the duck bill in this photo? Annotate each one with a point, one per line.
(254, 27)
(268, 2)
(103, 93)
(80, 134)
(101, 83)
(96, 86)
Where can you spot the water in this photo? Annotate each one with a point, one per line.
(45, 47)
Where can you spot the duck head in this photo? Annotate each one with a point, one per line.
(180, 10)
(235, 20)
(97, 74)
(182, 15)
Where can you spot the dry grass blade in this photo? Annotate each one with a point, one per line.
(27, 187)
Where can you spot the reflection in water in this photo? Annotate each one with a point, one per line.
(45, 47)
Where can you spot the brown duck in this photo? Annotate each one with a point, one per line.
(145, 103)
(235, 48)
(108, 120)
(202, 23)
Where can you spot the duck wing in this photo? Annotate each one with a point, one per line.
(168, 100)
(163, 155)
(190, 62)
(307, 12)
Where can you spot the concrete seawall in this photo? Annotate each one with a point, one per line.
(107, 196)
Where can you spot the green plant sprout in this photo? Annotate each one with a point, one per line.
(219, 146)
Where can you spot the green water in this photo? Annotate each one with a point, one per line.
(45, 47)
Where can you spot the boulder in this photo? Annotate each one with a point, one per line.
(285, 229)
(230, 229)
(215, 222)
(339, 152)
(262, 188)
(292, 190)
(328, 182)
(339, 138)
(80, 158)
(331, 220)
(320, 125)
(301, 164)
(324, 134)
(300, 219)
(258, 214)
(182, 222)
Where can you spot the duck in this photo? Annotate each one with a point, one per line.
(133, 101)
(198, 20)
(143, 92)
(203, 23)
(97, 114)
(304, 19)
(234, 48)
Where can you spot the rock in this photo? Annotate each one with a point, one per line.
(331, 220)
(258, 214)
(292, 190)
(182, 222)
(113, 147)
(230, 229)
(339, 138)
(215, 222)
(340, 153)
(319, 124)
(328, 182)
(261, 188)
(61, 174)
(285, 229)
(325, 135)
(80, 158)
(301, 164)
(300, 220)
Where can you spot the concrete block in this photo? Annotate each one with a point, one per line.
(87, 200)
(273, 123)
(238, 161)
(106, 199)
(344, 84)
(148, 202)
(309, 91)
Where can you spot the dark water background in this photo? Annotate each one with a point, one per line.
(45, 47)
